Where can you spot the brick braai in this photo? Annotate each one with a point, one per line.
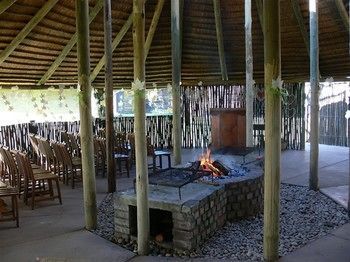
(203, 210)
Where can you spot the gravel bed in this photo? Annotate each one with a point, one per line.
(305, 216)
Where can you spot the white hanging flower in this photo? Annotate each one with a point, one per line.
(51, 88)
(0, 87)
(277, 83)
(14, 88)
(137, 85)
(347, 114)
(200, 83)
(78, 88)
(169, 87)
(329, 80)
(71, 87)
(154, 85)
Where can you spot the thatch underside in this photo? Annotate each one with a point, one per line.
(200, 60)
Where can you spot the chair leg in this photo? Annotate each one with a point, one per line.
(50, 188)
(154, 164)
(169, 161)
(58, 190)
(127, 167)
(16, 211)
(33, 193)
(161, 162)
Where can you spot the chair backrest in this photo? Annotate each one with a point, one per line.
(34, 143)
(24, 165)
(57, 151)
(45, 149)
(73, 142)
(102, 147)
(66, 157)
(150, 147)
(65, 139)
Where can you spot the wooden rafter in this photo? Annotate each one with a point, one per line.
(26, 30)
(259, 8)
(96, 9)
(118, 38)
(4, 4)
(220, 39)
(153, 26)
(299, 17)
(343, 13)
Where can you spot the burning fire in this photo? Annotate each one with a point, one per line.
(207, 163)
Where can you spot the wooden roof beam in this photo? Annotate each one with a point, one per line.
(259, 8)
(343, 13)
(299, 17)
(4, 4)
(95, 10)
(220, 39)
(118, 38)
(153, 26)
(27, 29)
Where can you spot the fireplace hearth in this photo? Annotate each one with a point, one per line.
(188, 204)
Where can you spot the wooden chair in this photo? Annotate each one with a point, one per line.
(12, 192)
(60, 161)
(34, 182)
(100, 157)
(121, 153)
(35, 148)
(74, 144)
(71, 165)
(157, 154)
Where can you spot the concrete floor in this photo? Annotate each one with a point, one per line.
(53, 232)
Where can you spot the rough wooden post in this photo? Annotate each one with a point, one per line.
(314, 85)
(249, 95)
(271, 14)
(348, 119)
(138, 87)
(176, 78)
(109, 96)
(87, 150)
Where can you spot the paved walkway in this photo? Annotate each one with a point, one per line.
(54, 233)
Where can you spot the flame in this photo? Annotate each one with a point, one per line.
(207, 163)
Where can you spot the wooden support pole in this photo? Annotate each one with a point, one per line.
(27, 29)
(87, 150)
(349, 154)
(272, 61)
(118, 38)
(249, 95)
(314, 85)
(220, 39)
(95, 10)
(109, 96)
(343, 13)
(143, 226)
(4, 4)
(153, 26)
(176, 78)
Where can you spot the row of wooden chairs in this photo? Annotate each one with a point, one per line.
(29, 179)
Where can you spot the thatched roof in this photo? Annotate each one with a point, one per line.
(31, 59)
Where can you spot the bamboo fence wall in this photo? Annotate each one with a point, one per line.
(196, 101)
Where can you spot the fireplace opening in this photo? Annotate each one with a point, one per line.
(161, 224)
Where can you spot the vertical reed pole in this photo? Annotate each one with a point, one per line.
(176, 78)
(249, 94)
(272, 61)
(314, 85)
(138, 87)
(87, 150)
(109, 96)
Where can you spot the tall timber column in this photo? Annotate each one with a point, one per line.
(249, 97)
(176, 75)
(273, 84)
(138, 87)
(109, 96)
(87, 150)
(314, 85)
